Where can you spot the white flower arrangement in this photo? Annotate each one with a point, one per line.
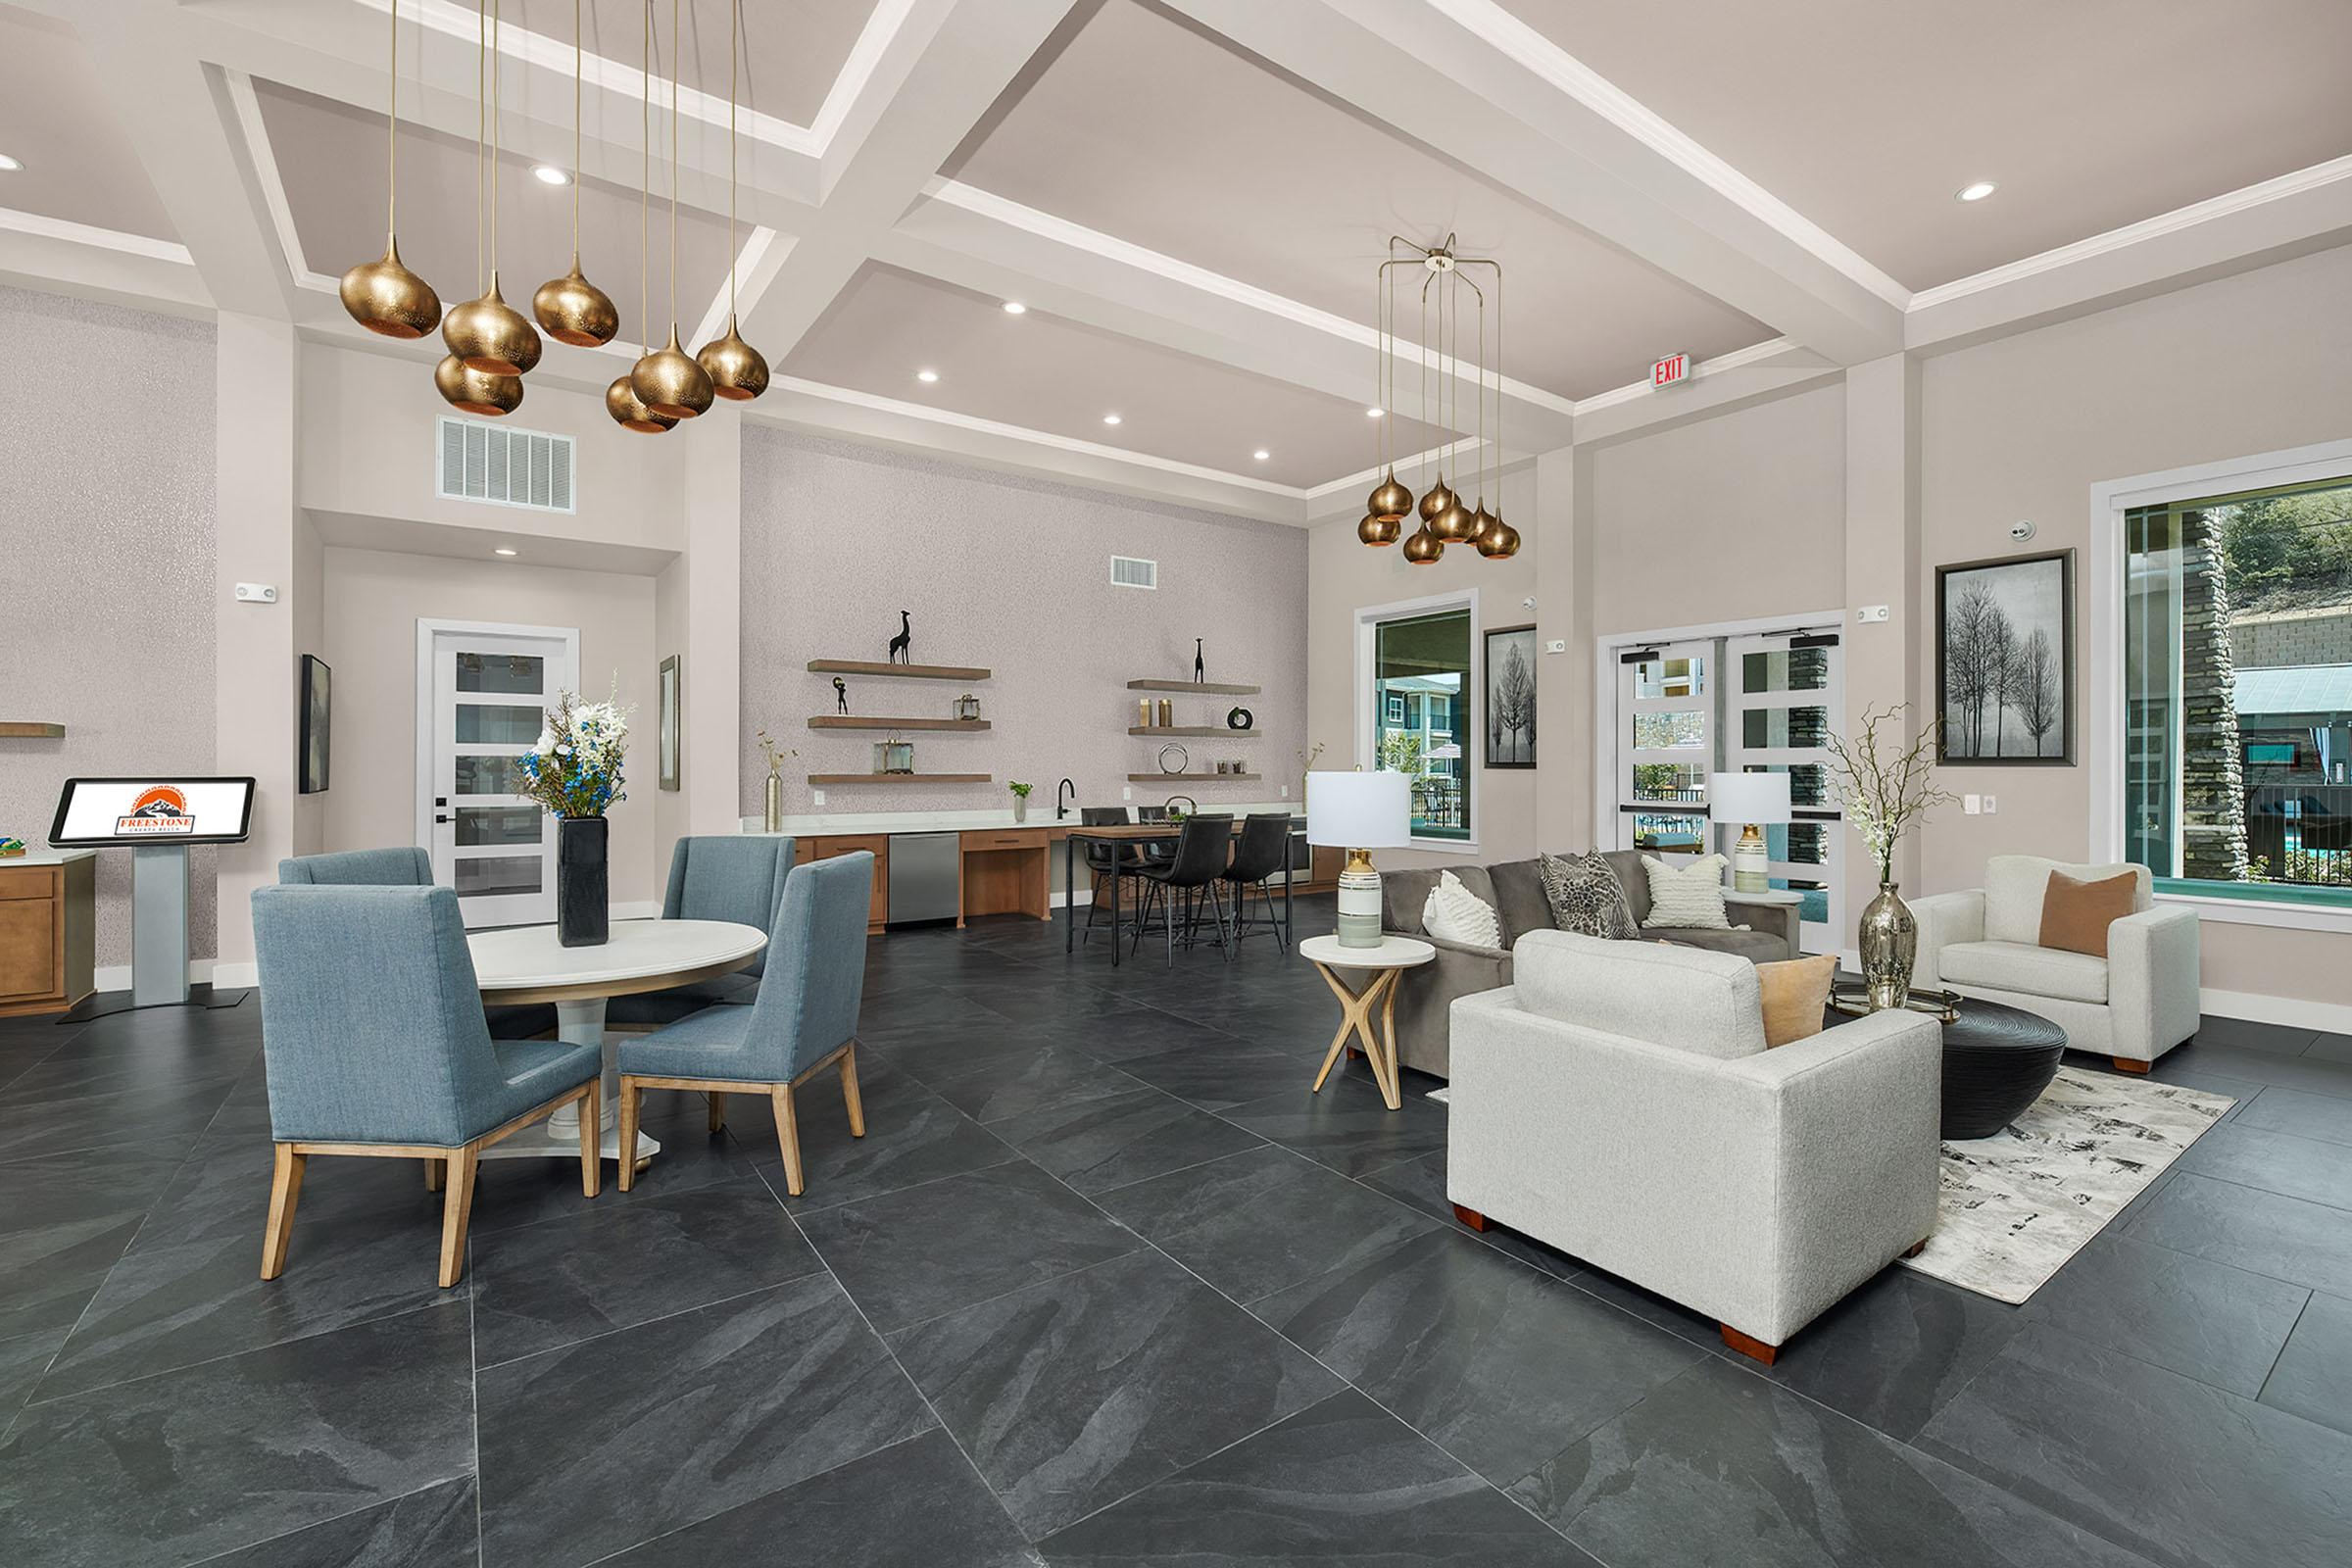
(575, 767)
(1882, 795)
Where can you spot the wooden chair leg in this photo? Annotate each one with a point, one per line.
(718, 1111)
(787, 1138)
(1471, 1218)
(1916, 1247)
(457, 1208)
(629, 1093)
(2131, 1065)
(849, 1090)
(286, 1190)
(1754, 1349)
(592, 1138)
(434, 1171)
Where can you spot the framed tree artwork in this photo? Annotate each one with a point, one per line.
(314, 749)
(1511, 697)
(2005, 660)
(671, 723)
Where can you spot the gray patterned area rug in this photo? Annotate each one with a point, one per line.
(2018, 1204)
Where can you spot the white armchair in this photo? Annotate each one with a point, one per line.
(1617, 1101)
(2130, 1006)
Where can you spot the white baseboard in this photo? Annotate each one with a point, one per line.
(2292, 1013)
(117, 976)
(638, 910)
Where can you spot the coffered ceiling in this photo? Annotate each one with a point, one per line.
(1191, 196)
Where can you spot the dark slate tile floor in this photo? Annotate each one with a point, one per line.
(1104, 1285)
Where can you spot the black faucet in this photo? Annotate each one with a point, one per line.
(1058, 810)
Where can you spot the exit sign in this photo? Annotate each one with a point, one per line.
(1670, 369)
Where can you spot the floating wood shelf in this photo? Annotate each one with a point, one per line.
(868, 666)
(27, 730)
(828, 779)
(864, 721)
(1203, 688)
(1191, 778)
(1191, 729)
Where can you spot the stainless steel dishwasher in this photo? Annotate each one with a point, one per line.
(923, 876)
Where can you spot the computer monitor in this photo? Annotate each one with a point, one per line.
(148, 809)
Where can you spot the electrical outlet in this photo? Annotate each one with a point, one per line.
(819, 797)
(1286, 792)
(1992, 806)
(1971, 804)
(1128, 792)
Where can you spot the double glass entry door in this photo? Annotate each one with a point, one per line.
(490, 694)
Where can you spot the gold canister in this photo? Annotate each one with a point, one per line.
(1142, 712)
(1167, 714)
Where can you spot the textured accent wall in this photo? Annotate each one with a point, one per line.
(1013, 575)
(107, 533)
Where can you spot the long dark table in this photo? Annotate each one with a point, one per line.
(1117, 833)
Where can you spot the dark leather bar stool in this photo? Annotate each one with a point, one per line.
(1202, 850)
(1264, 844)
(1104, 860)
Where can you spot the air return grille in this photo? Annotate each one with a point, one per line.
(1126, 572)
(505, 466)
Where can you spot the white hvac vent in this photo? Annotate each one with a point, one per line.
(505, 466)
(1126, 572)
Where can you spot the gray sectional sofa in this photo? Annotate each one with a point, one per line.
(1424, 995)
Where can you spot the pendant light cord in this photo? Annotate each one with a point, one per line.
(575, 135)
(645, 178)
(673, 168)
(392, 139)
(496, 75)
(734, 27)
(481, 108)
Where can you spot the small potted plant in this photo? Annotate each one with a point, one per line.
(574, 772)
(1020, 802)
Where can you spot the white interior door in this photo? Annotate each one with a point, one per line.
(483, 692)
(1666, 699)
(1786, 694)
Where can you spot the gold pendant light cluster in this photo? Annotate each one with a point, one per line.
(1444, 518)
(491, 345)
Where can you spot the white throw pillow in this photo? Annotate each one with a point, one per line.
(1687, 896)
(1453, 913)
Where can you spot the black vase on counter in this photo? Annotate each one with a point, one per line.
(583, 882)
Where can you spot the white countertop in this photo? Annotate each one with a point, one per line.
(33, 857)
(828, 822)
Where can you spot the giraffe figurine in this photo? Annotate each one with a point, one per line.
(1199, 671)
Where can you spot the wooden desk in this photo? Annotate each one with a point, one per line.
(48, 931)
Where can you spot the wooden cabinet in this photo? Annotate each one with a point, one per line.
(825, 846)
(1006, 871)
(48, 934)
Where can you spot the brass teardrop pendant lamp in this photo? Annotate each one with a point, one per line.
(738, 371)
(487, 334)
(571, 309)
(620, 400)
(1445, 516)
(1384, 511)
(667, 380)
(383, 295)
(462, 385)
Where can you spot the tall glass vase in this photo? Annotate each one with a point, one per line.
(583, 882)
(1889, 944)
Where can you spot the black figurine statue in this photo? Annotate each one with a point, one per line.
(902, 643)
(841, 695)
(1199, 671)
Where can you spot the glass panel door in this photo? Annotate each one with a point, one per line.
(491, 691)
(1666, 746)
(1787, 694)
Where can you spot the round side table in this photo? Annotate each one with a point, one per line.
(1384, 964)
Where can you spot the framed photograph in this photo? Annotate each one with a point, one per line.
(315, 748)
(2005, 660)
(669, 722)
(1511, 697)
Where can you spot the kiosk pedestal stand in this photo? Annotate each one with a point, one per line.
(159, 925)
(159, 880)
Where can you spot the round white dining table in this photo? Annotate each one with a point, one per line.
(526, 963)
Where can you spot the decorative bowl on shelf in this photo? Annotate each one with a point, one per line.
(1240, 718)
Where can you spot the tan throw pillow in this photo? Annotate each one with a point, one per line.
(2075, 914)
(1794, 992)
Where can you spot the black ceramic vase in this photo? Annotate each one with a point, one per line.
(583, 882)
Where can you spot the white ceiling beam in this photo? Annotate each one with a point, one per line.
(1482, 88)
(175, 110)
(980, 241)
(57, 257)
(2291, 216)
(945, 65)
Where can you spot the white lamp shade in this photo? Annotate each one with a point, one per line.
(1359, 811)
(1759, 797)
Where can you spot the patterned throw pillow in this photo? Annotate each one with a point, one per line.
(1453, 913)
(1687, 896)
(1584, 896)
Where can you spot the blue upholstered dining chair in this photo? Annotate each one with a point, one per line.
(374, 1043)
(804, 1020)
(408, 866)
(724, 876)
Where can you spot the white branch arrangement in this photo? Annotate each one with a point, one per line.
(1882, 790)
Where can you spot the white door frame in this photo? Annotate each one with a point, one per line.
(1367, 619)
(426, 631)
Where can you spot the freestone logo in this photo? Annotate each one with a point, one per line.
(162, 811)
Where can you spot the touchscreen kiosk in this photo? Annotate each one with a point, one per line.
(157, 818)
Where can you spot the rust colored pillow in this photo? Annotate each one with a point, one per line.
(2075, 914)
(1795, 991)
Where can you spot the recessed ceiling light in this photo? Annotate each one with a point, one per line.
(926, 376)
(8, 164)
(550, 174)
(1374, 414)
(502, 550)
(1978, 191)
(1015, 307)
(1110, 419)
(1261, 454)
